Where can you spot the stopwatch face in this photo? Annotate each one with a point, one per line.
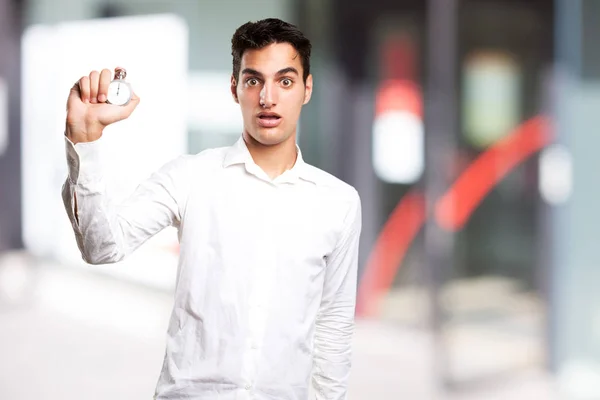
(119, 93)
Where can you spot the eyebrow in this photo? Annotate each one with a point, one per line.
(284, 71)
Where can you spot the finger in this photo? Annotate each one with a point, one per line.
(105, 76)
(74, 94)
(94, 82)
(84, 88)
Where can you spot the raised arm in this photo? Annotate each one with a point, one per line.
(108, 232)
(335, 321)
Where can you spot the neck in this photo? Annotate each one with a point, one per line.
(273, 160)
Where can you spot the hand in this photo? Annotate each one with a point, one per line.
(87, 111)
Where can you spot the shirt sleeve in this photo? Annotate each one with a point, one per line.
(335, 320)
(107, 232)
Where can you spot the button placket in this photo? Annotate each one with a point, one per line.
(263, 281)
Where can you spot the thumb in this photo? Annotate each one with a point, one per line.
(126, 110)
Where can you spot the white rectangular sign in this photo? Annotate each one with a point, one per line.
(154, 50)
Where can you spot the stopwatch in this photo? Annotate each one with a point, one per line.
(119, 91)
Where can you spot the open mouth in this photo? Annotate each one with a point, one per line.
(268, 119)
(268, 115)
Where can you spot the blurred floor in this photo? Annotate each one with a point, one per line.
(67, 333)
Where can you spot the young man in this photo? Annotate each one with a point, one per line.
(267, 276)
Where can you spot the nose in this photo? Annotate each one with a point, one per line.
(267, 96)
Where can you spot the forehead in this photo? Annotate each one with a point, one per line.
(272, 58)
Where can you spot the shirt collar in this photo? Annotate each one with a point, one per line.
(238, 153)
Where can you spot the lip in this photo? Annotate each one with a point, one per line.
(268, 119)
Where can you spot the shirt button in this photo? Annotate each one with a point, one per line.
(254, 346)
(248, 386)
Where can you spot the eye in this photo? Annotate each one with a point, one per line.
(252, 81)
(287, 82)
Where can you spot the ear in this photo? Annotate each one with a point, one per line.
(308, 87)
(234, 89)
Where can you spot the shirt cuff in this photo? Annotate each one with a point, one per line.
(84, 160)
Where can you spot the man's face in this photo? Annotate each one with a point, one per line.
(271, 92)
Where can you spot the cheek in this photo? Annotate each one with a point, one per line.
(293, 100)
(297, 104)
(246, 101)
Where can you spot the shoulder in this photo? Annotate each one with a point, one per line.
(341, 202)
(212, 156)
(340, 194)
(331, 184)
(205, 159)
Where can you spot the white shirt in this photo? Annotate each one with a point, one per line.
(266, 284)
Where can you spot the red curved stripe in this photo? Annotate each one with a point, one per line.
(389, 250)
(452, 211)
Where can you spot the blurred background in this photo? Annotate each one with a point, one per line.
(469, 128)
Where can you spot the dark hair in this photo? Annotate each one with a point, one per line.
(256, 35)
